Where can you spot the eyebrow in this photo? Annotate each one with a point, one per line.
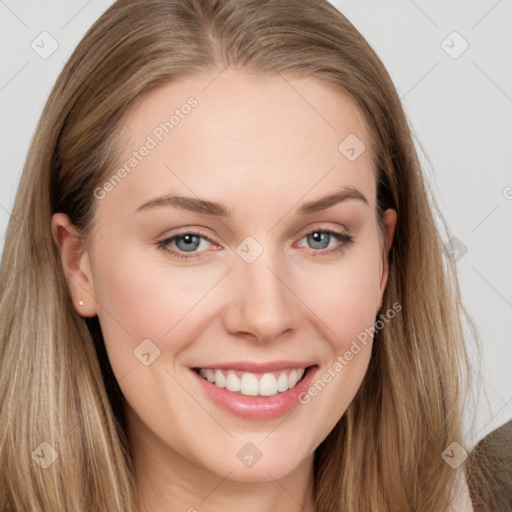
(211, 208)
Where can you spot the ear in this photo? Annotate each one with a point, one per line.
(75, 264)
(390, 218)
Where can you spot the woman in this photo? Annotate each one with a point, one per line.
(222, 284)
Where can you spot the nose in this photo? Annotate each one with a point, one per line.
(263, 305)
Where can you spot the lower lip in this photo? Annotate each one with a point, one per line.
(257, 407)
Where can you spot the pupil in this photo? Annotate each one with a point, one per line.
(191, 242)
(317, 238)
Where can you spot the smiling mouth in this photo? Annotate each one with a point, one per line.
(254, 384)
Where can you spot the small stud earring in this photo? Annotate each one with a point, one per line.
(81, 303)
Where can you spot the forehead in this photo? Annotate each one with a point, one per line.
(240, 135)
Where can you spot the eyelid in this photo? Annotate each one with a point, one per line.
(343, 236)
(188, 231)
(319, 226)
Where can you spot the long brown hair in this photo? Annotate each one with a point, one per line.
(56, 385)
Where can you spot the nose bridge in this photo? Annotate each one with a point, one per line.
(263, 304)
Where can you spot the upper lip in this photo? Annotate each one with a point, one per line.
(256, 367)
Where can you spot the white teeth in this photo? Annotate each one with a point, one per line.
(249, 385)
(268, 385)
(282, 382)
(232, 382)
(220, 380)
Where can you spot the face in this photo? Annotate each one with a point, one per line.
(266, 281)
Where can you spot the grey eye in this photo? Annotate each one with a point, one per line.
(320, 239)
(191, 242)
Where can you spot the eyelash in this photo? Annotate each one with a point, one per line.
(344, 238)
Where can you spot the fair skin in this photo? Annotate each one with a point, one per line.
(262, 150)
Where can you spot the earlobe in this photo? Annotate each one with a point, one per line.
(75, 263)
(390, 220)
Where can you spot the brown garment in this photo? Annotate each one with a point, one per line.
(490, 471)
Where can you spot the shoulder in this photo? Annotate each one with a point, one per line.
(489, 471)
(462, 497)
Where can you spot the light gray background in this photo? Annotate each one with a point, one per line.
(460, 110)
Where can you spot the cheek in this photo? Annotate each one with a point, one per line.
(344, 297)
(345, 304)
(140, 296)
